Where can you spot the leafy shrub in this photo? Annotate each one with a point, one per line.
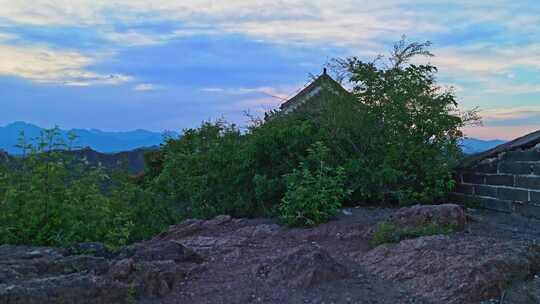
(204, 173)
(389, 233)
(274, 149)
(315, 191)
(48, 198)
(394, 139)
(407, 127)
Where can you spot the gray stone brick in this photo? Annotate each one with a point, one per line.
(490, 167)
(527, 155)
(496, 204)
(535, 196)
(536, 169)
(484, 190)
(500, 180)
(472, 178)
(528, 209)
(516, 168)
(529, 182)
(510, 194)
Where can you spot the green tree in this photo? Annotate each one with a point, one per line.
(204, 173)
(414, 124)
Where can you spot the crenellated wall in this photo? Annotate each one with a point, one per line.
(508, 181)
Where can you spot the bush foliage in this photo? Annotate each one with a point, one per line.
(314, 191)
(48, 198)
(393, 138)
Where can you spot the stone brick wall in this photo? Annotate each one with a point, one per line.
(508, 182)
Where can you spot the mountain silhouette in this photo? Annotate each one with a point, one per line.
(101, 141)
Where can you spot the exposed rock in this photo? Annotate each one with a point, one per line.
(191, 227)
(65, 289)
(94, 249)
(208, 245)
(304, 266)
(29, 252)
(256, 261)
(154, 268)
(185, 229)
(457, 269)
(258, 231)
(18, 263)
(219, 220)
(164, 250)
(151, 278)
(79, 263)
(44, 275)
(446, 215)
(121, 270)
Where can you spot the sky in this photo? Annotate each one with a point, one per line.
(170, 64)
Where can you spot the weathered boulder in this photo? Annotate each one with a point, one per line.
(259, 231)
(66, 289)
(454, 269)
(186, 228)
(192, 227)
(208, 246)
(151, 278)
(92, 248)
(155, 268)
(445, 215)
(304, 266)
(219, 220)
(46, 275)
(164, 250)
(19, 263)
(9, 252)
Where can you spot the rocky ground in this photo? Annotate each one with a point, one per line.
(493, 258)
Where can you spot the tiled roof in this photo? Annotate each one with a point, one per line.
(323, 82)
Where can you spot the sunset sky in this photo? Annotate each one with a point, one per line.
(130, 64)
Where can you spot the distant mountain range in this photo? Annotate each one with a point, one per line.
(473, 145)
(101, 141)
(132, 160)
(114, 142)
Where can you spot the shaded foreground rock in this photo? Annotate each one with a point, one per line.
(73, 288)
(454, 269)
(154, 268)
(227, 260)
(304, 266)
(445, 215)
(46, 275)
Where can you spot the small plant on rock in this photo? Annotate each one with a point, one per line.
(389, 233)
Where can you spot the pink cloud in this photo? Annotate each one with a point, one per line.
(500, 132)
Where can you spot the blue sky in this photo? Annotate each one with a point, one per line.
(129, 64)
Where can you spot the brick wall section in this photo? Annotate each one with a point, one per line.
(509, 182)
